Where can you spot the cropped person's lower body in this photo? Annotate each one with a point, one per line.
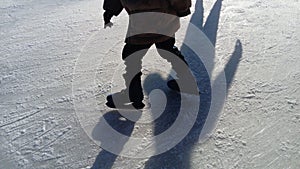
(132, 55)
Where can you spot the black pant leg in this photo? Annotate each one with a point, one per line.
(168, 51)
(169, 45)
(132, 56)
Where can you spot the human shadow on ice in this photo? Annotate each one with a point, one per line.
(180, 156)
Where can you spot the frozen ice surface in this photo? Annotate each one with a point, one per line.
(41, 41)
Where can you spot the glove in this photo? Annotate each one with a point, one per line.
(107, 17)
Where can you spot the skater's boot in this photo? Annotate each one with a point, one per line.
(136, 95)
(132, 96)
(172, 84)
(121, 97)
(121, 100)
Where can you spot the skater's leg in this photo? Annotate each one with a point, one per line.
(169, 46)
(168, 51)
(132, 56)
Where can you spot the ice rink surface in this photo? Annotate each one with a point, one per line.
(256, 43)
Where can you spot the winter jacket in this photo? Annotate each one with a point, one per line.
(150, 21)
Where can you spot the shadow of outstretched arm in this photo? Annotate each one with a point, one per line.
(220, 85)
(198, 15)
(208, 116)
(232, 65)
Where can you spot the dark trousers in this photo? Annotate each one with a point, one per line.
(133, 54)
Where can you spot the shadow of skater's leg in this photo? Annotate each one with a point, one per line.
(197, 17)
(212, 23)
